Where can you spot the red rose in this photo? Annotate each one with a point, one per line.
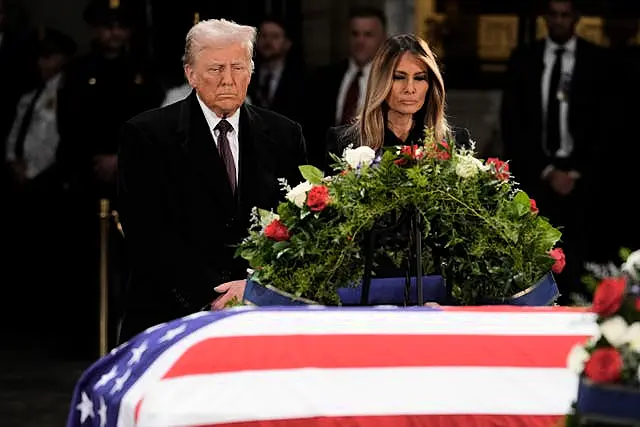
(534, 207)
(558, 255)
(412, 151)
(277, 231)
(604, 366)
(318, 198)
(502, 168)
(609, 296)
(637, 304)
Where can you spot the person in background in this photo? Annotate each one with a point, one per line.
(35, 200)
(33, 140)
(101, 91)
(338, 89)
(552, 118)
(279, 82)
(190, 175)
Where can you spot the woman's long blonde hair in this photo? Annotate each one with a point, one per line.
(368, 129)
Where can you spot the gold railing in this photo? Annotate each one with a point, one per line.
(106, 217)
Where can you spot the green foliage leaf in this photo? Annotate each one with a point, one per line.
(548, 235)
(312, 174)
(522, 203)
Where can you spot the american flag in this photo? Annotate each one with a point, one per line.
(320, 366)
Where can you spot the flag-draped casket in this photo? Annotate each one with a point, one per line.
(319, 366)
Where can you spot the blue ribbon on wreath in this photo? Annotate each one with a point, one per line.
(391, 291)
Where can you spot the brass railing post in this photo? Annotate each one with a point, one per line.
(105, 217)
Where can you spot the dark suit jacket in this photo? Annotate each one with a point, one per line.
(97, 96)
(522, 111)
(289, 97)
(179, 216)
(324, 91)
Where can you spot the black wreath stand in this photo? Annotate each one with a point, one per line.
(414, 267)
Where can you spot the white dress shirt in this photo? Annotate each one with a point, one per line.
(232, 135)
(41, 139)
(176, 94)
(568, 62)
(352, 70)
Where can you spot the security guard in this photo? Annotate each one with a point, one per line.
(101, 91)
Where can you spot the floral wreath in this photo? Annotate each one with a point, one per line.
(489, 236)
(610, 360)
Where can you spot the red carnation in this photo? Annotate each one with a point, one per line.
(609, 296)
(318, 198)
(534, 207)
(604, 366)
(558, 255)
(277, 231)
(502, 168)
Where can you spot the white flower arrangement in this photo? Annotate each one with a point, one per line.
(358, 157)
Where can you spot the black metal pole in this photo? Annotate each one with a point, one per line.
(418, 243)
(368, 268)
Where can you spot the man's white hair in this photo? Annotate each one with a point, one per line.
(218, 32)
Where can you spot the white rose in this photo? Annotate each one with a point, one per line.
(361, 156)
(468, 166)
(298, 194)
(632, 337)
(632, 265)
(614, 330)
(577, 358)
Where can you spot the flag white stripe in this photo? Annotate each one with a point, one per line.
(397, 322)
(300, 393)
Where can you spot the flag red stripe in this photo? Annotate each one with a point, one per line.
(136, 412)
(230, 354)
(409, 421)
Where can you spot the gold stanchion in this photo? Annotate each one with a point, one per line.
(105, 216)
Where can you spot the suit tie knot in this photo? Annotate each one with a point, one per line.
(224, 127)
(560, 51)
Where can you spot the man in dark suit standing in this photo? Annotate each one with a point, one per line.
(279, 82)
(190, 174)
(551, 120)
(338, 89)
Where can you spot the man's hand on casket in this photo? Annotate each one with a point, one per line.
(230, 291)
